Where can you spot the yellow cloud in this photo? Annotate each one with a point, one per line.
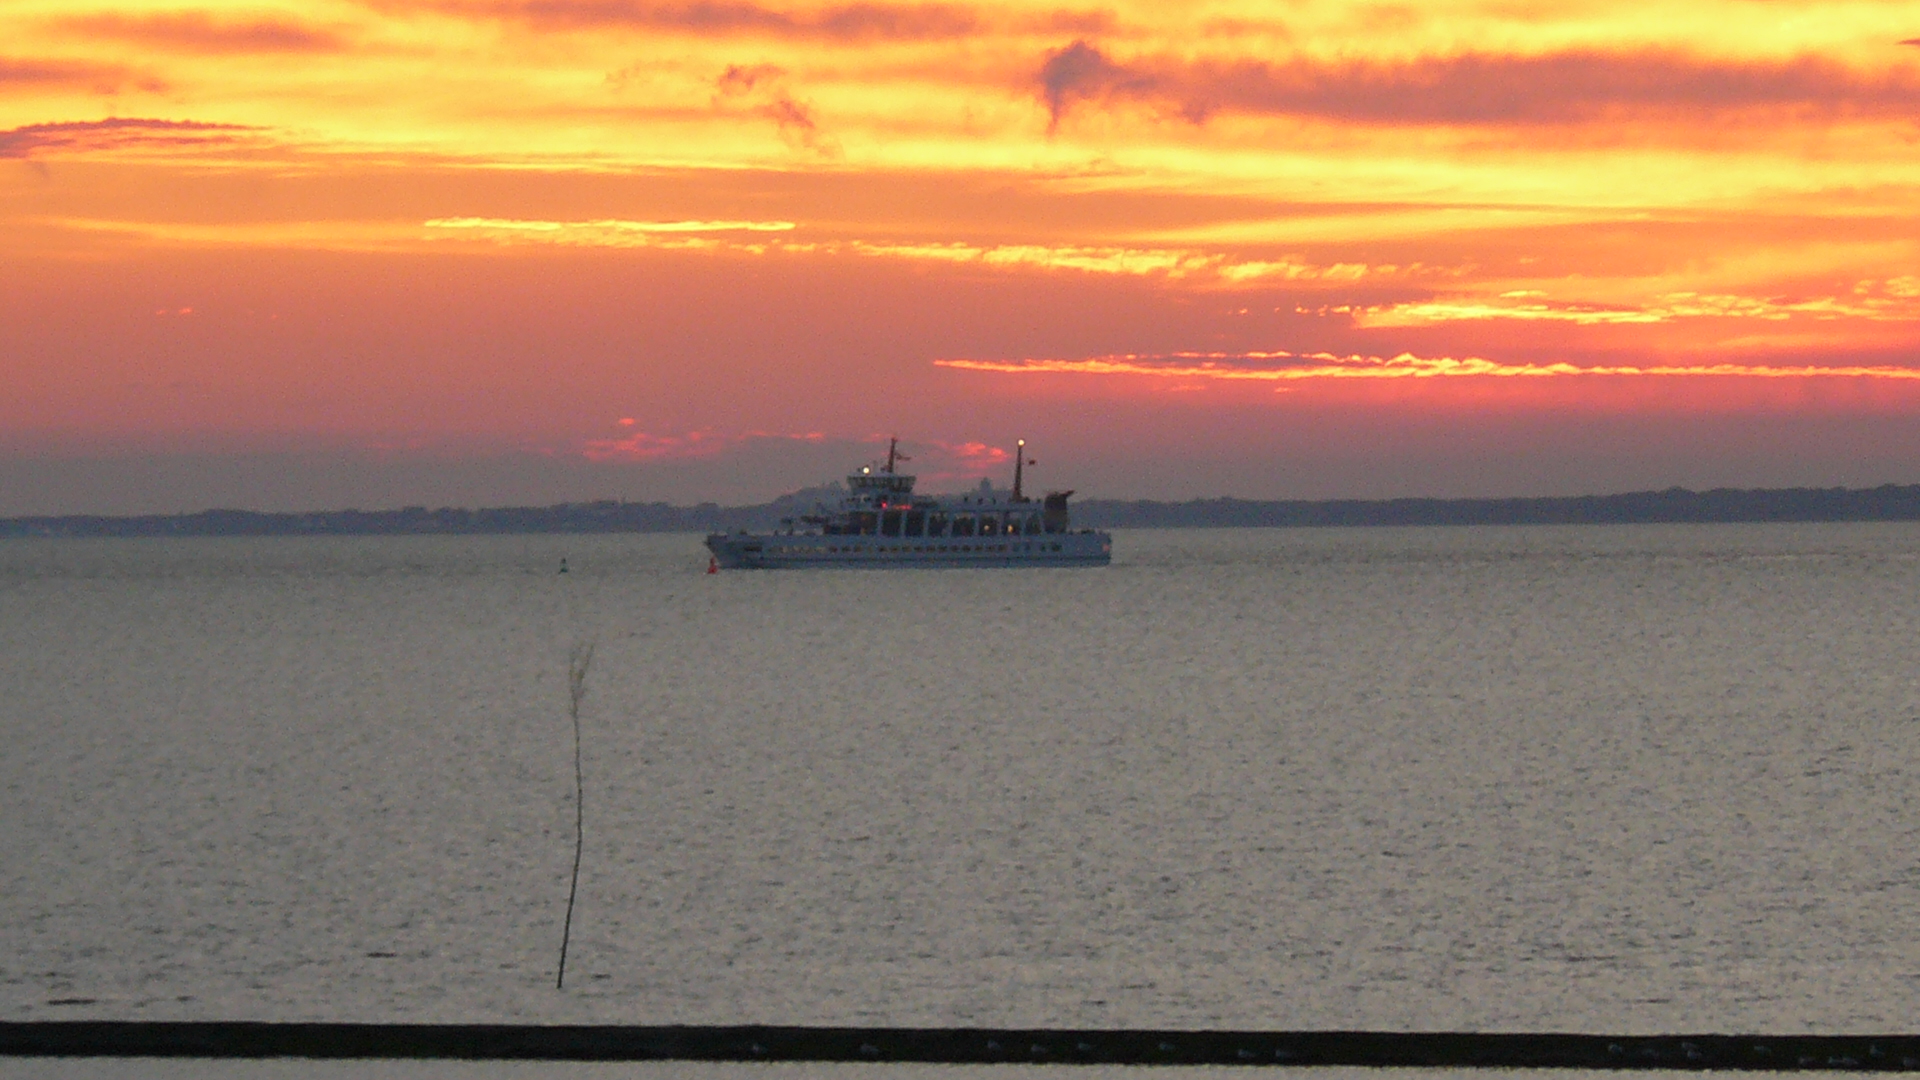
(602, 229)
(1296, 367)
(1873, 301)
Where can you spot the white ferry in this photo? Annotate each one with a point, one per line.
(882, 523)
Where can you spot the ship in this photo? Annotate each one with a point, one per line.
(882, 523)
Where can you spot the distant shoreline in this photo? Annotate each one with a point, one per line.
(1889, 502)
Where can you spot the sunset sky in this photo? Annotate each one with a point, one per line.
(475, 252)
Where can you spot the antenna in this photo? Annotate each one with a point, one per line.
(1019, 459)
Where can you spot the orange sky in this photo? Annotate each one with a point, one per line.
(480, 251)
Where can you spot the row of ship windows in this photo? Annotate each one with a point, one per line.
(938, 523)
(882, 549)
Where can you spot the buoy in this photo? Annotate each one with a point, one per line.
(713, 565)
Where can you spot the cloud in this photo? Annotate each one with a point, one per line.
(1171, 263)
(762, 86)
(645, 446)
(92, 136)
(1891, 300)
(195, 31)
(1081, 71)
(742, 78)
(99, 78)
(843, 22)
(1472, 88)
(968, 461)
(604, 232)
(1285, 367)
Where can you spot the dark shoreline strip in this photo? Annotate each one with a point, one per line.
(1888, 502)
(85, 1038)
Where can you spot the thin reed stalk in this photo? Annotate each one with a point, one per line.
(577, 663)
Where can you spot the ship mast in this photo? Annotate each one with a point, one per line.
(892, 444)
(1019, 459)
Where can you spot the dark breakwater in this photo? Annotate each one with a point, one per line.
(980, 1046)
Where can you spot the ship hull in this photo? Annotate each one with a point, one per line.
(746, 551)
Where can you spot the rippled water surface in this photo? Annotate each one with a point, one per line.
(1627, 779)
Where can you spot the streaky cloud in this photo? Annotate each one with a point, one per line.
(1891, 300)
(99, 78)
(1567, 87)
(843, 22)
(1203, 267)
(561, 229)
(82, 136)
(639, 445)
(195, 31)
(1281, 366)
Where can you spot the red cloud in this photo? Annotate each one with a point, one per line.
(1473, 88)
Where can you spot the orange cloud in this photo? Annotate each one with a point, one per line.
(100, 78)
(195, 31)
(604, 227)
(860, 22)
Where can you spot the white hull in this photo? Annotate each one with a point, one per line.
(778, 551)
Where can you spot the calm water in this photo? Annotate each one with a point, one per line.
(1628, 779)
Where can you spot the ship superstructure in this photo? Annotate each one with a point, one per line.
(881, 522)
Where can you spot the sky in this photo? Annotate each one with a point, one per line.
(380, 253)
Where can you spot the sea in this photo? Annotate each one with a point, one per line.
(1625, 779)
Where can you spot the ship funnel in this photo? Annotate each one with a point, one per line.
(1053, 513)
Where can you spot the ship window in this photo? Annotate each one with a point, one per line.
(936, 524)
(989, 524)
(963, 525)
(1032, 524)
(916, 523)
(890, 523)
(865, 522)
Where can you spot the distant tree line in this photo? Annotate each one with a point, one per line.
(1889, 502)
(592, 517)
